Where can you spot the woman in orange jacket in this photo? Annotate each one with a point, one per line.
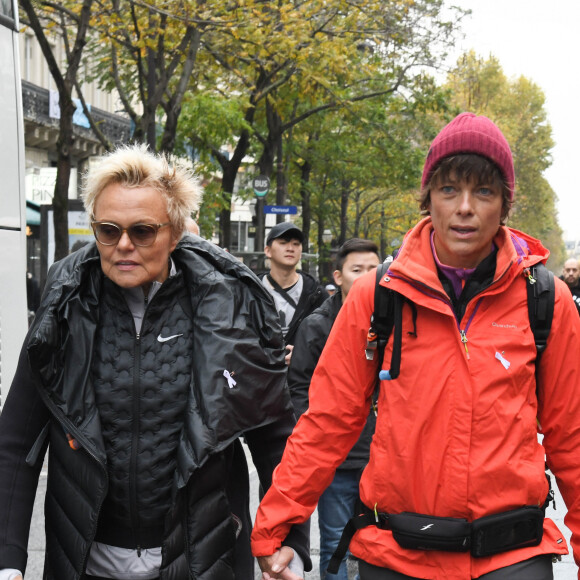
(455, 486)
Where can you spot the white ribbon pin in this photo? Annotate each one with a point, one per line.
(506, 363)
(231, 382)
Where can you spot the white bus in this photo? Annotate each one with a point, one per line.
(13, 309)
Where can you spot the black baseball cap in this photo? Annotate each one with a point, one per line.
(285, 230)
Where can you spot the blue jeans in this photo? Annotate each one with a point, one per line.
(335, 507)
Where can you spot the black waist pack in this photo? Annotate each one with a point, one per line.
(422, 532)
(519, 528)
(497, 533)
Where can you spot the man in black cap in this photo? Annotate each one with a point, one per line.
(295, 293)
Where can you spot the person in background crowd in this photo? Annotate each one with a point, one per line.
(150, 355)
(455, 487)
(337, 504)
(330, 289)
(296, 294)
(571, 275)
(191, 226)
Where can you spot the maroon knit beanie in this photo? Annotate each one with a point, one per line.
(468, 133)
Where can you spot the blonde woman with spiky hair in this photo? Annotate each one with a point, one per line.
(152, 352)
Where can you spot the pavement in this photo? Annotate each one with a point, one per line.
(564, 570)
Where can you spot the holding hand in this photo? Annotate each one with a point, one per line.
(289, 349)
(277, 565)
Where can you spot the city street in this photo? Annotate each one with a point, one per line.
(564, 570)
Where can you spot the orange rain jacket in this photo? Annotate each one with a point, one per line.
(456, 433)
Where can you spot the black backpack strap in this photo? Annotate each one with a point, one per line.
(281, 291)
(387, 318)
(541, 297)
(381, 319)
(393, 371)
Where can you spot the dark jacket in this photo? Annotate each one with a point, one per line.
(575, 291)
(310, 340)
(313, 295)
(52, 401)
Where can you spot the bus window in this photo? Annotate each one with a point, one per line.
(10, 117)
(7, 13)
(13, 312)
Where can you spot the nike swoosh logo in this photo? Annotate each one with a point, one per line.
(166, 338)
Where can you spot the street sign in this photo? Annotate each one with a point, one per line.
(281, 209)
(261, 185)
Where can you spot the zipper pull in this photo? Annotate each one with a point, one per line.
(72, 442)
(372, 343)
(138, 551)
(528, 275)
(464, 341)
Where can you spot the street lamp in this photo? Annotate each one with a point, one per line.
(326, 236)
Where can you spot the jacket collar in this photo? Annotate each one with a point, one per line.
(415, 262)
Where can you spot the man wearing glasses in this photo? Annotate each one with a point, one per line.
(150, 355)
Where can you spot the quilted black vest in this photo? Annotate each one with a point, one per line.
(141, 385)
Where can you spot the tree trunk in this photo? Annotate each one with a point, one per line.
(345, 190)
(173, 106)
(280, 177)
(357, 218)
(230, 168)
(64, 145)
(383, 233)
(149, 117)
(225, 233)
(305, 170)
(229, 174)
(273, 148)
(320, 244)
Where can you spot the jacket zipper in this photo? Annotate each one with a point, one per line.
(135, 431)
(135, 437)
(444, 298)
(464, 341)
(463, 332)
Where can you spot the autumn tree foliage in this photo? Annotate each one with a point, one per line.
(259, 69)
(147, 52)
(283, 64)
(333, 100)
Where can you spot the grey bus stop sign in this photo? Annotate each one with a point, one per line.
(261, 185)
